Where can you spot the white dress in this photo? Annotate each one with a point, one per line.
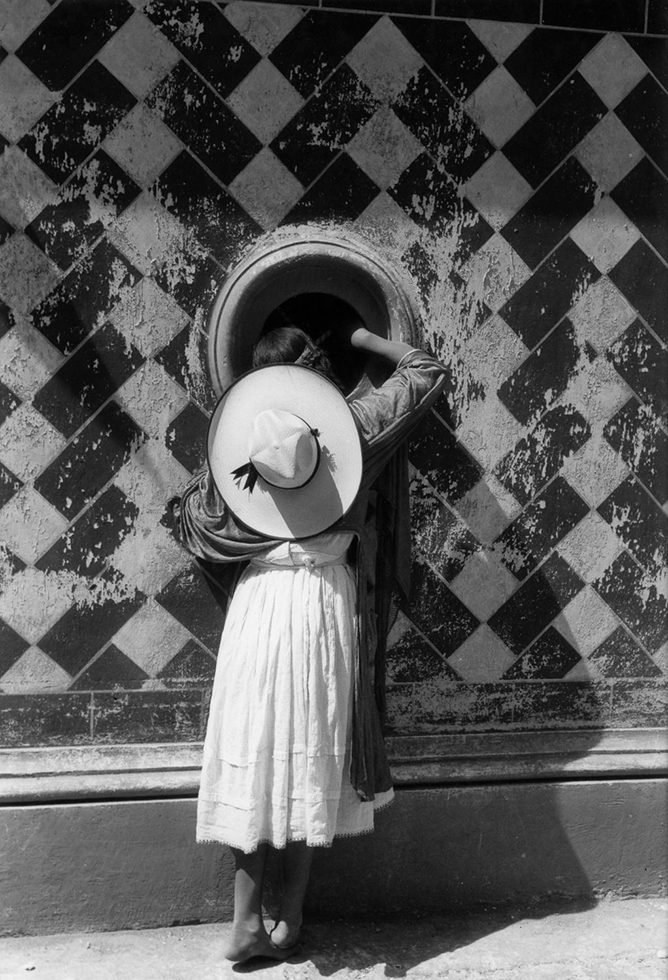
(277, 747)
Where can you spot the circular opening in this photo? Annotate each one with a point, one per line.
(320, 277)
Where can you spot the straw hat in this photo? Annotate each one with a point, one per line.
(284, 451)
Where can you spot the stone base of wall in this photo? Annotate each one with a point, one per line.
(133, 863)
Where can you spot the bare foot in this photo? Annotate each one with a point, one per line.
(248, 941)
(286, 932)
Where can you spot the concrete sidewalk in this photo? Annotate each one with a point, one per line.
(622, 940)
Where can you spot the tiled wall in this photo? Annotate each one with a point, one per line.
(513, 172)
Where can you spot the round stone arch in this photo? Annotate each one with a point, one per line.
(302, 261)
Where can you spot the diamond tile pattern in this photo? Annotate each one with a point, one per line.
(143, 146)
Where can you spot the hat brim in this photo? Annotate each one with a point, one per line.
(271, 511)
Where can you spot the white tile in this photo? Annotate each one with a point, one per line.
(601, 314)
(152, 398)
(482, 658)
(18, 19)
(265, 101)
(660, 658)
(499, 106)
(586, 621)
(23, 98)
(266, 189)
(148, 234)
(596, 391)
(147, 317)
(142, 145)
(613, 69)
(497, 348)
(29, 525)
(387, 225)
(263, 25)
(488, 508)
(497, 190)
(500, 38)
(496, 272)
(33, 601)
(26, 275)
(595, 469)
(605, 234)
(608, 152)
(384, 60)
(488, 430)
(24, 188)
(27, 360)
(383, 148)
(34, 673)
(590, 547)
(483, 584)
(138, 55)
(151, 638)
(150, 478)
(28, 442)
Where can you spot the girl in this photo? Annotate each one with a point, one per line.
(294, 753)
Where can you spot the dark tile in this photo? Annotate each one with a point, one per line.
(186, 437)
(78, 635)
(410, 658)
(535, 604)
(207, 39)
(81, 301)
(177, 357)
(203, 122)
(192, 283)
(199, 600)
(557, 127)
(44, 719)
(342, 192)
(600, 15)
(550, 656)
(643, 196)
(544, 298)
(559, 704)
(447, 466)
(643, 278)
(316, 45)
(12, 645)
(437, 612)
(437, 120)
(544, 375)
(78, 122)
(546, 57)
(640, 703)
(8, 402)
(111, 670)
(540, 454)
(637, 598)
(638, 522)
(432, 199)
(643, 363)
(87, 379)
(549, 215)
(657, 17)
(6, 230)
(87, 544)
(654, 52)
(90, 460)
(69, 37)
(644, 112)
(338, 110)
(438, 537)
(6, 319)
(95, 194)
(421, 8)
(451, 50)
(148, 716)
(9, 485)
(527, 541)
(621, 656)
(192, 666)
(199, 202)
(524, 11)
(636, 434)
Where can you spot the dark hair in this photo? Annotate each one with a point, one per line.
(285, 345)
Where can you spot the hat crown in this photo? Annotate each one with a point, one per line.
(283, 449)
